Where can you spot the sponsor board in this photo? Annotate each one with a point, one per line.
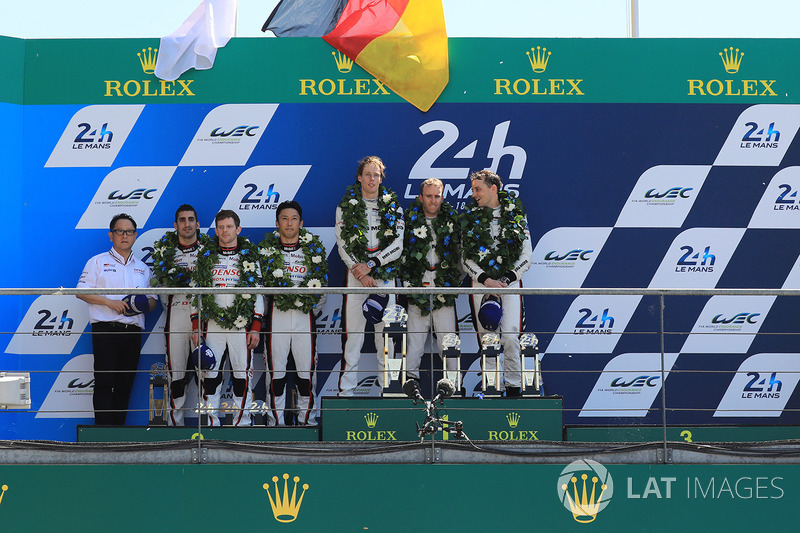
(628, 385)
(52, 325)
(762, 385)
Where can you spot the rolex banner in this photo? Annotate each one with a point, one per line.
(581, 496)
(642, 164)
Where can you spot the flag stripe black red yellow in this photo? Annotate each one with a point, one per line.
(403, 43)
(363, 21)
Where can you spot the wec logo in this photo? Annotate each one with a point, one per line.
(239, 131)
(641, 381)
(739, 318)
(674, 192)
(136, 194)
(572, 255)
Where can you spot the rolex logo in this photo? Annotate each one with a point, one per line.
(513, 419)
(3, 492)
(732, 59)
(584, 506)
(371, 419)
(538, 58)
(343, 63)
(585, 488)
(285, 508)
(147, 57)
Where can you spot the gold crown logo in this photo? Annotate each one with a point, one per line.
(147, 57)
(343, 63)
(538, 57)
(285, 509)
(513, 419)
(731, 59)
(4, 489)
(584, 508)
(371, 419)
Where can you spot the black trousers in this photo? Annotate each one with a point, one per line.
(116, 350)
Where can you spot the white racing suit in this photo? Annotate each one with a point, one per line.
(511, 323)
(444, 319)
(178, 330)
(353, 320)
(292, 331)
(226, 274)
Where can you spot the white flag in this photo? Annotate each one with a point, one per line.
(195, 43)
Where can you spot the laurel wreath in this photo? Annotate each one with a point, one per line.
(478, 244)
(417, 244)
(354, 224)
(240, 313)
(165, 271)
(275, 275)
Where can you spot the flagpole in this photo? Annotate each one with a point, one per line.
(633, 19)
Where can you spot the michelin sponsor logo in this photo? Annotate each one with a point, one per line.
(728, 324)
(697, 258)
(133, 190)
(663, 197)
(761, 136)
(52, 325)
(628, 385)
(593, 324)
(228, 135)
(71, 393)
(258, 191)
(761, 386)
(779, 206)
(94, 136)
(563, 257)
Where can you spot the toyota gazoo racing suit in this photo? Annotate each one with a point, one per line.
(178, 329)
(226, 274)
(292, 331)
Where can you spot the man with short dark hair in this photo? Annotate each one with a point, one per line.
(369, 235)
(496, 252)
(233, 320)
(174, 259)
(117, 320)
(292, 257)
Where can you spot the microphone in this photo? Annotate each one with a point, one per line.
(444, 389)
(411, 389)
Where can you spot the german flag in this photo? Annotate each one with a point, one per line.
(403, 43)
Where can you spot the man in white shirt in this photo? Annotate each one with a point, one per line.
(117, 320)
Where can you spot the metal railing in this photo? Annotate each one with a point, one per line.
(661, 331)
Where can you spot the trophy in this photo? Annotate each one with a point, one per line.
(395, 319)
(490, 351)
(260, 411)
(529, 346)
(159, 398)
(202, 410)
(451, 348)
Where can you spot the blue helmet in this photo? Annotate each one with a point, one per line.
(204, 356)
(374, 306)
(490, 313)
